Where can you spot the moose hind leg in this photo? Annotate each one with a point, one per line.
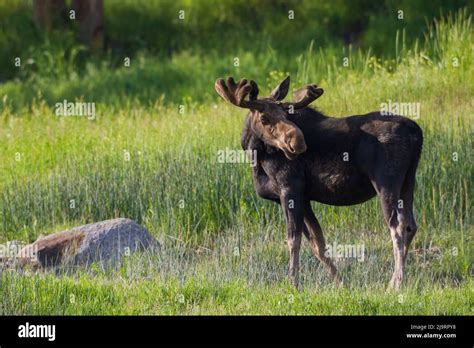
(406, 197)
(389, 198)
(313, 232)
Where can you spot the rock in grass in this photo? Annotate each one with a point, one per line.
(103, 242)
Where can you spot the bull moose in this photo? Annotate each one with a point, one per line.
(304, 156)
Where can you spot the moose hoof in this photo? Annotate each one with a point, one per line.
(296, 284)
(395, 283)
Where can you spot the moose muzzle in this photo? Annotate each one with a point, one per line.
(294, 143)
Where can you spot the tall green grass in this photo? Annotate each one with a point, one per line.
(217, 280)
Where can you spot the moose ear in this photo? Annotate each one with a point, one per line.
(280, 91)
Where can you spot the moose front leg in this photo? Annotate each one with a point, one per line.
(291, 203)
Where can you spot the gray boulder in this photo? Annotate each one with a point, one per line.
(103, 242)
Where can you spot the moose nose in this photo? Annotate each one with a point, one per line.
(295, 141)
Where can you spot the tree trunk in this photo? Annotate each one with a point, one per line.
(90, 14)
(44, 11)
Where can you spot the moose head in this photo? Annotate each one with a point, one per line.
(269, 116)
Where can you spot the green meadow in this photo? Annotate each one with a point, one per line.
(150, 154)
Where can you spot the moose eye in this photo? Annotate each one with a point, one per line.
(264, 119)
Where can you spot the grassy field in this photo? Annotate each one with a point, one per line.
(150, 154)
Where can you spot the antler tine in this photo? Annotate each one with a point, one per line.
(254, 92)
(236, 93)
(305, 96)
(231, 84)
